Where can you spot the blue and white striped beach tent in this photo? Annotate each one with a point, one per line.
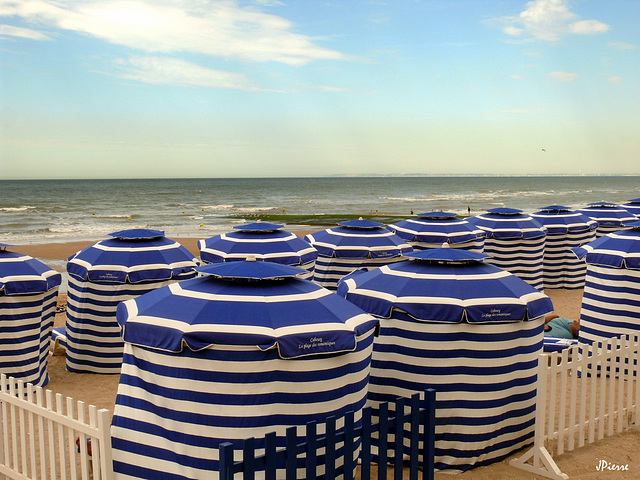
(471, 331)
(242, 351)
(438, 229)
(265, 241)
(28, 297)
(102, 275)
(515, 242)
(566, 229)
(611, 299)
(610, 216)
(353, 245)
(632, 206)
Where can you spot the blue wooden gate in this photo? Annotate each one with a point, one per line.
(386, 428)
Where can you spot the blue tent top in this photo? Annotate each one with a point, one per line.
(130, 258)
(619, 249)
(360, 223)
(258, 227)
(508, 223)
(437, 215)
(251, 270)
(446, 291)
(633, 206)
(375, 241)
(437, 228)
(561, 220)
(555, 209)
(262, 240)
(447, 255)
(23, 275)
(137, 234)
(294, 316)
(607, 214)
(504, 211)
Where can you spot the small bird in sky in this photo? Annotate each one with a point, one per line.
(543, 150)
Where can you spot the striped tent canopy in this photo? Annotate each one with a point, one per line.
(242, 351)
(611, 299)
(102, 275)
(353, 245)
(265, 241)
(471, 331)
(28, 298)
(610, 216)
(515, 242)
(632, 206)
(436, 229)
(566, 229)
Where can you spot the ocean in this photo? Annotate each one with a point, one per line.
(42, 211)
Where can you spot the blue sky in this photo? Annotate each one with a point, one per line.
(189, 88)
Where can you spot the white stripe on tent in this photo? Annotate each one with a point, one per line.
(133, 268)
(91, 327)
(236, 328)
(436, 276)
(176, 289)
(138, 248)
(214, 430)
(232, 239)
(354, 233)
(464, 451)
(36, 320)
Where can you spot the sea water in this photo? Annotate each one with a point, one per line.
(40, 211)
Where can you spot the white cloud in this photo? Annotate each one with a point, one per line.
(588, 27)
(11, 31)
(174, 71)
(621, 45)
(613, 79)
(219, 28)
(513, 31)
(516, 77)
(563, 77)
(549, 20)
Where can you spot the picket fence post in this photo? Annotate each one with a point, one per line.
(52, 426)
(421, 416)
(595, 374)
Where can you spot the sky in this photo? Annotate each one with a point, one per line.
(271, 88)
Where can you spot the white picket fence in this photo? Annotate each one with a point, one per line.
(584, 394)
(41, 441)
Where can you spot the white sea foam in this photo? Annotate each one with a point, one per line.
(255, 209)
(217, 207)
(17, 209)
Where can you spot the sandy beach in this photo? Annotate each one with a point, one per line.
(100, 390)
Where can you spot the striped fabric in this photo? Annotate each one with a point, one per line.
(566, 229)
(105, 274)
(515, 242)
(354, 245)
(28, 298)
(264, 241)
(208, 361)
(435, 229)
(633, 207)
(611, 299)
(610, 217)
(473, 333)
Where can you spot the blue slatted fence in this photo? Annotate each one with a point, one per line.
(418, 414)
